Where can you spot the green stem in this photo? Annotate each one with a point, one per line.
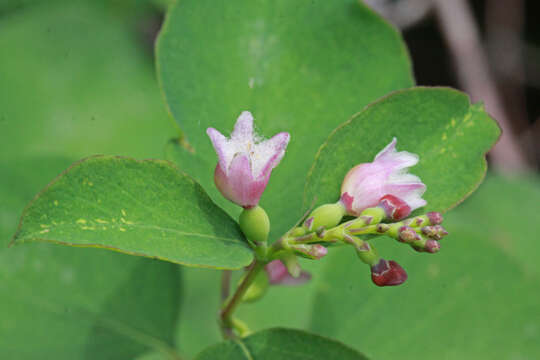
(230, 306)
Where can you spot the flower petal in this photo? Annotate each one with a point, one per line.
(220, 145)
(269, 153)
(238, 184)
(243, 129)
(394, 159)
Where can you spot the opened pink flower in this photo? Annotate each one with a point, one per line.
(245, 161)
(365, 184)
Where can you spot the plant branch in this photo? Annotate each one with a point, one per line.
(230, 306)
(463, 39)
(225, 285)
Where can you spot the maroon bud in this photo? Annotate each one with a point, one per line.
(388, 273)
(435, 218)
(431, 231)
(407, 234)
(394, 208)
(440, 230)
(432, 246)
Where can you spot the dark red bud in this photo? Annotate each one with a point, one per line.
(435, 218)
(432, 246)
(440, 230)
(395, 208)
(388, 273)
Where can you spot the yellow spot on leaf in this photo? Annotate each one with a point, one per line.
(453, 122)
(88, 228)
(121, 229)
(44, 231)
(81, 221)
(44, 225)
(55, 202)
(123, 212)
(101, 221)
(444, 136)
(443, 150)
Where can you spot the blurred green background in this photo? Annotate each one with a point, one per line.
(77, 78)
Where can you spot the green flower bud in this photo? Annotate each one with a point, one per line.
(326, 216)
(257, 289)
(255, 224)
(376, 213)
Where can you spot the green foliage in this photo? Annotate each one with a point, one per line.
(66, 303)
(281, 343)
(145, 208)
(293, 64)
(450, 135)
(77, 87)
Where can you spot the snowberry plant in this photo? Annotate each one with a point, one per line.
(359, 156)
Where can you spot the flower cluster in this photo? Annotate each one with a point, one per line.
(379, 195)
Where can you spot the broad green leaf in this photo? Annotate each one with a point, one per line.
(301, 66)
(145, 208)
(78, 87)
(450, 135)
(281, 343)
(66, 303)
(476, 299)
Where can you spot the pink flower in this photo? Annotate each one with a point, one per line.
(245, 161)
(365, 184)
(279, 275)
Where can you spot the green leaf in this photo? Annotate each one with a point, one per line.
(281, 343)
(66, 303)
(78, 87)
(301, 66)
(145, 208)
(450, 135)
(476, 299)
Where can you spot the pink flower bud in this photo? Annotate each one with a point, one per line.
(394, 208)
(435, 218)
(278, 274)
(388, 273)
(245, 161)
(407, 234)
(365, 184)
(432, 246)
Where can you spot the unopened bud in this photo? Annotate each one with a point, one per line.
(394, 207)
(436, 232)
(257, 289)
(314, 252)
(255, 224)
(435, 218)
(407, 235)
(325, 216)
(441, 231)
(432, 246)
(382, 228)
(388, 273)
